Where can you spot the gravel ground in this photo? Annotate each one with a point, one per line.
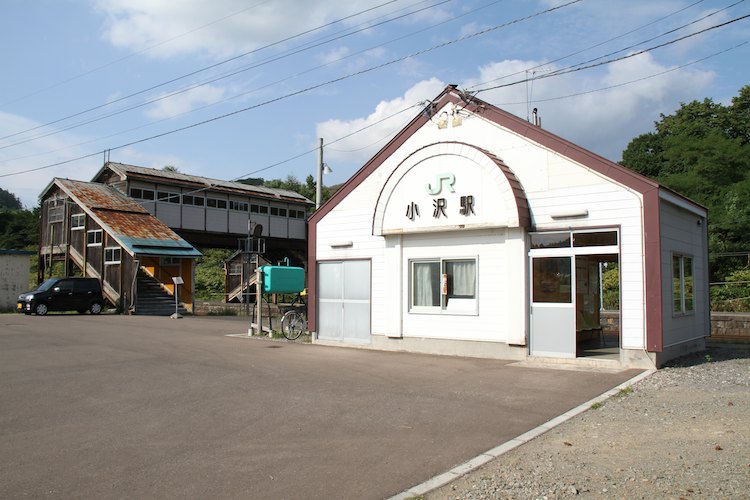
(683, 432)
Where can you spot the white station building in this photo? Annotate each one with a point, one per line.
(476, 233)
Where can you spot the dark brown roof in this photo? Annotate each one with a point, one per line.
(203, 183)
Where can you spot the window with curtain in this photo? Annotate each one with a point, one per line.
(439, 285)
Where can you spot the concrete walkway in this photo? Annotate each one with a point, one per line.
(118, 406)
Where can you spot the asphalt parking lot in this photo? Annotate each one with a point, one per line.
(149, 407)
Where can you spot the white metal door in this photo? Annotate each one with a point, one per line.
(344, 301)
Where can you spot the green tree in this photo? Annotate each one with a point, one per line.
(209, 274)
(19, 229)
(291, 183)
(9, 200)
(703, 152)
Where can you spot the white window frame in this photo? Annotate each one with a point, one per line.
(468, 306)
(77, 222)
(678, 284)
(100, 238)
(114, 257)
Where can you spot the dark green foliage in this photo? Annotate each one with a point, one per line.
(611, 287)
(291, 183)
(9, 200)
(734, 295)
(19, 229)
(703, 152)
(209, 274)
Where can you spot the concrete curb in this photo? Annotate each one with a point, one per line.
(478, 461)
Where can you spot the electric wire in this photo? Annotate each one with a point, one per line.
(202, 69)
(311, 87)
(132, 54)
(600, 44)
(576, 68)
(256, 89)
(630, 82)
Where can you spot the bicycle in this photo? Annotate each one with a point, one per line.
(294, 321)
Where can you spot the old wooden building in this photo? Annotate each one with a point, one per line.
(94, 230)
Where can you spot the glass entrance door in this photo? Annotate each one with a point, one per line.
(553, 319)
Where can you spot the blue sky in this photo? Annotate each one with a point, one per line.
(83, 76)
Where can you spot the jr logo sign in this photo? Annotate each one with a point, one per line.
(441, 179)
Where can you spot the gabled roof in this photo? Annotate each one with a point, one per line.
(125, 171)
(136, 230)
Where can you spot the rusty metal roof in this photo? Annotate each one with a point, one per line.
(95, 195)
(203, 183)
(126, 221)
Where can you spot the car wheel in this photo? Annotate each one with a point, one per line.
(41, 309)
(95, 308)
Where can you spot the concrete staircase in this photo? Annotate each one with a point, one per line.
(152, 299)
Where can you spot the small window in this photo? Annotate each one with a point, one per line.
(148, 194)
(254, 209)
(78, 222)
(262, 209)
(94, 238)
(595, 239)
(274, 211)
(199, 201)
(682, 285)
(282, 212)
(170, 261)
(239, 206)
(187, 199)
(444, 285)
(221, 204)
(168, 197)
(550, 240)
(235, 268)
(211, 202)
(136, 193)
(112, 255)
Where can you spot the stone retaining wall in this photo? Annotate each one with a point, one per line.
(730, 326)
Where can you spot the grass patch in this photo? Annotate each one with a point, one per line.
(596, 406)
(624, 392)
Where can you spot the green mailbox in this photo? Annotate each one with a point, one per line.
(283, 279)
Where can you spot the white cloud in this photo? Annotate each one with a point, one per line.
(361, 146)
(217, 28)
(32, 155)
(185, 102)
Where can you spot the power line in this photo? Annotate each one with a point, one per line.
(310, 88)
(132, 54)
(630, 82)
(186, 75)
(267, 85)
(575, 68)
(589, 47)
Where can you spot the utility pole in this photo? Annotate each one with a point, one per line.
(319, 184)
